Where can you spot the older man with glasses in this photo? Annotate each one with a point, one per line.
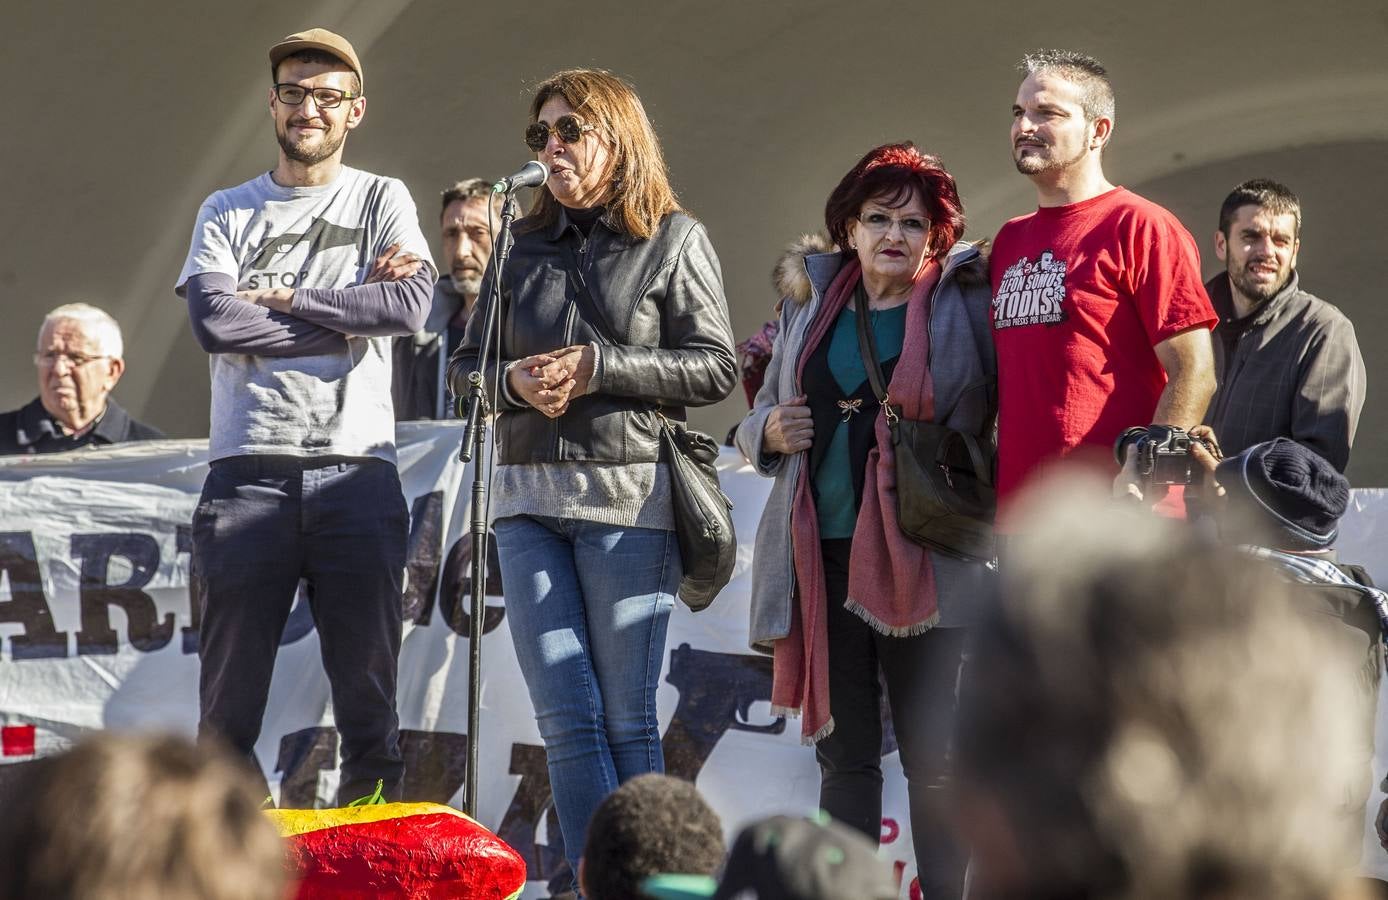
(296, 282)
(79, 360)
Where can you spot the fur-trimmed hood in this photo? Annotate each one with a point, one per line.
(792, 281)
(789, 276)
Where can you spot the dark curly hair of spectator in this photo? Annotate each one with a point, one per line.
(890, 173)
(651, 825)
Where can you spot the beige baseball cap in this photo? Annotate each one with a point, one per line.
(318, 39)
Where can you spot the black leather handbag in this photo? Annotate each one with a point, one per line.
(945, 493)
(703, 513)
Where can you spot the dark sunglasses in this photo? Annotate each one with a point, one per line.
(569, 128)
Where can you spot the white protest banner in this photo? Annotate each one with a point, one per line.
(96, 631)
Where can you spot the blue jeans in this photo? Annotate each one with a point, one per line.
(588, 605)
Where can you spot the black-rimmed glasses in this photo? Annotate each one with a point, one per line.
(569, 128)
(323, 97)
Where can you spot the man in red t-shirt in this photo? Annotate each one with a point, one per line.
(1100, 316)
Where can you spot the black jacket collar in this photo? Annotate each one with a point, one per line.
(1222, 298)
(36, 425)
(562, 223)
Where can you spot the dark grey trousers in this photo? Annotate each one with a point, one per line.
(262, 524)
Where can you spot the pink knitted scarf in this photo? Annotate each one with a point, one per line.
(891, 583)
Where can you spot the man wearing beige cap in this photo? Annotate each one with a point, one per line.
(296, 282)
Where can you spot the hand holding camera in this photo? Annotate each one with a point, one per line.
(1154, 457)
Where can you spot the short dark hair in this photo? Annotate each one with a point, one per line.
(893, 171)
(322, 57)
(652, 825)
(1096, 97)
(466, 190)
(1263, 193)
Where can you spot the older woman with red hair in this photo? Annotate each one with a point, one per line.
(838, 592)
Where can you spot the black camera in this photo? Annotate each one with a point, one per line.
(1164, 457)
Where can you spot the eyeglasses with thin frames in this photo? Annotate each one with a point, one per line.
(570, 129)
(323, 97)
(49, 358)
(880, 223)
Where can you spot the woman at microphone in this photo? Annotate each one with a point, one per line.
(838, 591)
(611, 305)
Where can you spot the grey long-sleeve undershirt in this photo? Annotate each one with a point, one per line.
(320, 322)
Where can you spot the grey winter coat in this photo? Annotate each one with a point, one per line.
(961, 354)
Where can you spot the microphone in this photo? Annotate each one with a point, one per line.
(532, 174)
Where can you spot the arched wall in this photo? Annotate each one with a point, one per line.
(122, 117)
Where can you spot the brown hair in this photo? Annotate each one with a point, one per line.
(639, 193)
(153, 817)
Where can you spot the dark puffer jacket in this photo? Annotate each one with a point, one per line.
(663, 300)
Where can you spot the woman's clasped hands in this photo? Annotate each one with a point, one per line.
(548, 381)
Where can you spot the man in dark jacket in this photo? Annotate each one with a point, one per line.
(418, 389)
(1288, 363)
(79, 360)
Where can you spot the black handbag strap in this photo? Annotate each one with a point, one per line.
(598, 322)
(584, 300)
(867, 348)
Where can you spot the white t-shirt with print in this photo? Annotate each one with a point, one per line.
(326, 236)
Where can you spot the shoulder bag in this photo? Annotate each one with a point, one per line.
(945, 495)
(703, 513)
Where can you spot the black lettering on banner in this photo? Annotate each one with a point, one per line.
(19, 562)
(183, 543)
(717, 691)
(303, 754)
(97, 595)
(457, 583)
(435, 764)
(532, 808)
(423, 557)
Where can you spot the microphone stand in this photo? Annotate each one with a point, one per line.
(475, 439)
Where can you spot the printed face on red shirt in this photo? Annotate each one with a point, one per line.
(1050, 132)
(1259, 252)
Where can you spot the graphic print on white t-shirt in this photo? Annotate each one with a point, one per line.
(320, 236)
(1031, 293)
(269, 236)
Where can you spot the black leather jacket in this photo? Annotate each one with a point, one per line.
(662, 299)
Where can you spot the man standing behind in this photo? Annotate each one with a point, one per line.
(79, 357)
(418, 387)
(1099, 316)
(1288, 363)
(295, 282)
